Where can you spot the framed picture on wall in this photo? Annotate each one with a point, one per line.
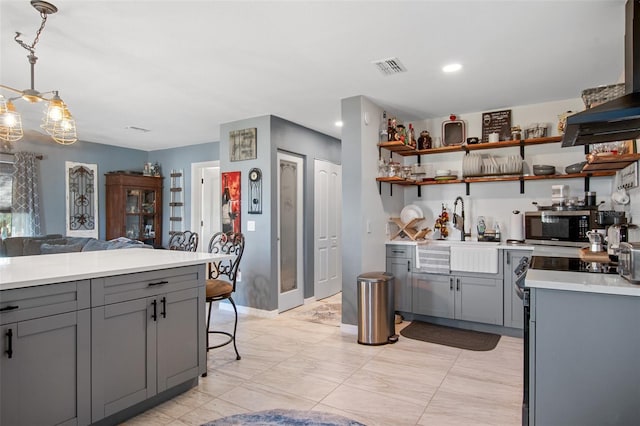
(81, 199)
(242, 144)
(230, 202)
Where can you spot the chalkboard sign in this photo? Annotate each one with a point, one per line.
(496, 121)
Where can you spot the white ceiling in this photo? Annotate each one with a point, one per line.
(181, 68)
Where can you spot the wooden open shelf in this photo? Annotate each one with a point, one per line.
(404, 150)
(597, 166)
(495, 178)
(609, 162)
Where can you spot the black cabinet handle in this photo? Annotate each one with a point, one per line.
(9, 308)
(155, 310)
(158, 283)
(450, 283)
(508, 258)
(408, 266)
(9, 350)
(164, 307)
(458, 284)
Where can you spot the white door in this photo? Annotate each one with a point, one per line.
(205, 201)
(290, 232)
(327, 227)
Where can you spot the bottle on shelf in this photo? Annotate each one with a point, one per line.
(384, 128)
(392, 131)
(411, 137)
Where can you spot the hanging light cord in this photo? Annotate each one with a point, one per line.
(32, 48)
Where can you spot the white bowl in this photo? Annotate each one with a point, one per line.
(443, 172)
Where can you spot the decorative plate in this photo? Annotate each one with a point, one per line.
(410, 212)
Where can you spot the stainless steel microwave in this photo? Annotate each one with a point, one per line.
(562, 228)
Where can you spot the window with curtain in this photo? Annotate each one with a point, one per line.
(25, 203)
(6, 172)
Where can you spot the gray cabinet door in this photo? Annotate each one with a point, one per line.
(478, 299)
(123, 354)
(179, 340)
(433, 295)
(513, 311)
(400, 268)
(45, 380)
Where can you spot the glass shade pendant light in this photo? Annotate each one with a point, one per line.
(58, 121)
(10, 121)
(64, 130)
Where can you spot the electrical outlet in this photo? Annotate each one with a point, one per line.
(239, 277)
(251, 225)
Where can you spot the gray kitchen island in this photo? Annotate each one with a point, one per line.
(96, 337)
(584, 347)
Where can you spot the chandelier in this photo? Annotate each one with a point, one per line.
(58, 121)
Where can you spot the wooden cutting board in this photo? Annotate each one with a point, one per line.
(590, 256)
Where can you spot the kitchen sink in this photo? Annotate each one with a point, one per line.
(472, 256)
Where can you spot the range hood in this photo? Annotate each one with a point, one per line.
(619, 119)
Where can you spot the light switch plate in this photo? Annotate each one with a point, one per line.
(251, 225)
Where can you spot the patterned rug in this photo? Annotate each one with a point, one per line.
(285, 417)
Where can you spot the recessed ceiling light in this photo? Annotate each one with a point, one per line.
(452, 68)
(339, 123)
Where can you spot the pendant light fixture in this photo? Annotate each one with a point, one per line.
(58, 121)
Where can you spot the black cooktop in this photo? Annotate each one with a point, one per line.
(572, 264)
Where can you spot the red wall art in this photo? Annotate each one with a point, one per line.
(231, 196)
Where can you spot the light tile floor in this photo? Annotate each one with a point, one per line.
(289, 362)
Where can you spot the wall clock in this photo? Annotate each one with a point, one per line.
(255, 191)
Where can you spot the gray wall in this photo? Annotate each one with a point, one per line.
(363, 207)
(181, 158)
(259, 288)
(310, 145)
(52, 174)
(108, 158)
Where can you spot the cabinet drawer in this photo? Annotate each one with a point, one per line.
(34, 302)
(120, 288)
(399, 251)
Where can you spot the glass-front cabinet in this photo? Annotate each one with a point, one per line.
(134, 207)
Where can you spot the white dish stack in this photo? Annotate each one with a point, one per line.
(477, 165)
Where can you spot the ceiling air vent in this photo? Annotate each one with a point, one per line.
(138, 129)
(390, 66)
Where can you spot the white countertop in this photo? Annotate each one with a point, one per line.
(576, 281)
(500, 245)
(26, 271)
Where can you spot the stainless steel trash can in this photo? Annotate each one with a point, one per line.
(376, 314)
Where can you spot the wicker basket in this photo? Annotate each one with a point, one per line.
(598, 95)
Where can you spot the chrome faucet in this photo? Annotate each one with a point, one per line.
(458, 221)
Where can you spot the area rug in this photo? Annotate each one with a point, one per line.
(285, 417)
(449, 336)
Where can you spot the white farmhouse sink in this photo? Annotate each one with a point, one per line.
(470, 256)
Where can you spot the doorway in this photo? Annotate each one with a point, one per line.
(327, 229)
(290, 231)
(205, 201)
